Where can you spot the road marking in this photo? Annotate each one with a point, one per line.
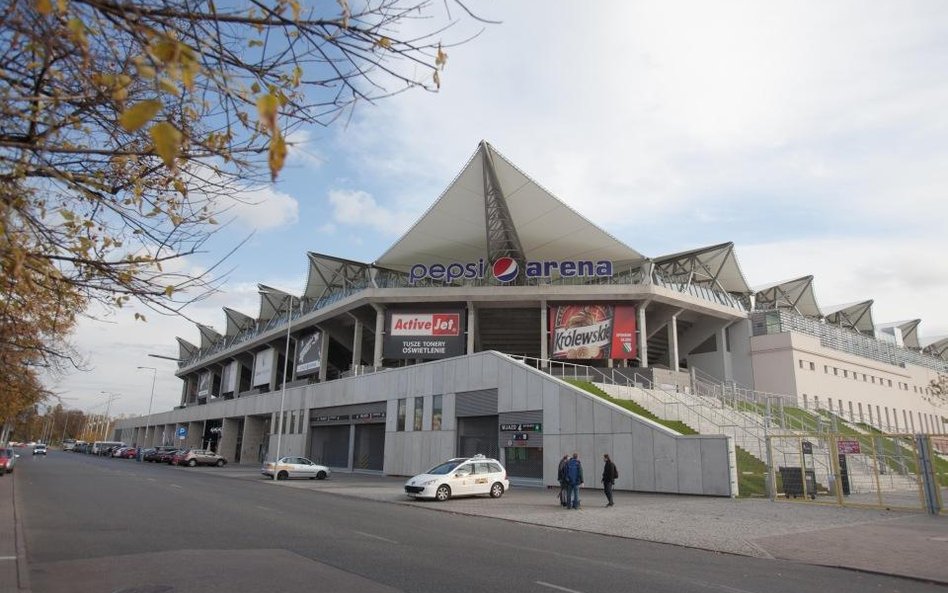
(264, 508)
(378, 537)
(152, 480)
(557, 587)
(175, 486)
(7, 557)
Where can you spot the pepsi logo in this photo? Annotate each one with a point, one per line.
(505, 269)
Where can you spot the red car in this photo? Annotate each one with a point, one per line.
(7, 459)
(178, 457)
(130, 453)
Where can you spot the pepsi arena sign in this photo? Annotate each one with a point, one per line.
(506, 269)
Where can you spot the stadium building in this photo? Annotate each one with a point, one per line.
(455, 341)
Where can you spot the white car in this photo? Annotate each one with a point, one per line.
(295, 467)
(462, 476)
(39, 449)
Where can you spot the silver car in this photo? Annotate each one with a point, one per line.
(295, 467)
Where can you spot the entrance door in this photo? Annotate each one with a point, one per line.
(369, 447)
(478, 434)
(330, 446)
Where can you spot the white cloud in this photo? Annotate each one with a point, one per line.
(359, 208)
(302, 150)
(263, 208)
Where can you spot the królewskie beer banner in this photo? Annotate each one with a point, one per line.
(307, 353)
(423, 334)
(583, 332)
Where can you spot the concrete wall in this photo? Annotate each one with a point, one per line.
(649, 456)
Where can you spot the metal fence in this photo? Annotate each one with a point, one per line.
(891, 471)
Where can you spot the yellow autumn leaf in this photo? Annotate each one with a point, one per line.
(384, 42)
(139, 114)
(267, 106)
(437, 79)
(277, 155)
(167, 140)
(44, 7)
(169, 290)
(441, 58)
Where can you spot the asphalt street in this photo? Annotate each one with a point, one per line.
(96, 524)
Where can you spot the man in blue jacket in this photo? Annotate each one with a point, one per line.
(574, 477)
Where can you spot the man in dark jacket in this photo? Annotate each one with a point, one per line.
(574, 476)
(564, 483)
(609, 475)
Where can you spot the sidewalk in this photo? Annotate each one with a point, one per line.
(11, 561)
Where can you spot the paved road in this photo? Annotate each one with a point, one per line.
(94, 524)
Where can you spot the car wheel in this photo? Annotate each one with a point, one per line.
(496, 490)
(220, 463)
(443, 493)
(192, 463)
(321, 475)
(282, 475)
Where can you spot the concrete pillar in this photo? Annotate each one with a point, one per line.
(195, 435)
(544, 334)
(470, 327)
(673, 343)
(356, 346)
(379, 335)
(227, 446)
(323, 357)
(253, 437)
(725, 355)
(643, 334)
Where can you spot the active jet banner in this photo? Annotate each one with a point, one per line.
(204, 384)
(263, 367)
(423, 334)
(307, 353)
(579, 332)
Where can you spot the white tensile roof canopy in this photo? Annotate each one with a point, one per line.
(908, 329)
(937, 347)
(493, 209)
(236, 322)
(856, 316)
(796, 294)
(716, 266)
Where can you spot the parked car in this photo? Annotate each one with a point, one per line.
(295, 467)
(7, 459)
(462, 476)
(69, 444)
(154, 454)
(129, 453)
(192, 457)
(39, 449)
(168, 456)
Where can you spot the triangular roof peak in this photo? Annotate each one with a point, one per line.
(273, 301)
(856, 316)
(909, 330)
(796, 294)
(491, 209)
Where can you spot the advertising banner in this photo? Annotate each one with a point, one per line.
(307, 353)
(263, 367)
(423, 334)
(229, 377)
(579, 332)
(204, 384)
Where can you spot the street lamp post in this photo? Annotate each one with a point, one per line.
(154, 377)
(286, 364)
(108, 407)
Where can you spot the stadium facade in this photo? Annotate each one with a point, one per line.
(456, 339)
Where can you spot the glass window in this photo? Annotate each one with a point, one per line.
(292, 428)
(419, 412)
(812, 366)
(400, 422)
(284, 421)
(436, 407)
(301, 421)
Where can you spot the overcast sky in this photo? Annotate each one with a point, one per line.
(814, 135)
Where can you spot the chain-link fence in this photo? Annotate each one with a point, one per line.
(896, 471)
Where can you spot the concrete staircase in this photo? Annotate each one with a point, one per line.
(709, 415)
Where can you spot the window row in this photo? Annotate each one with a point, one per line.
(856, 376)
(294, 422)
(418, 409)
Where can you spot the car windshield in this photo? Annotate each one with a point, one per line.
(444, 468)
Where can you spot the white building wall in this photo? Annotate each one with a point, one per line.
(798, 365)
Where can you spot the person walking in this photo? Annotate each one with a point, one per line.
(609, 475)
(564, 483)
(574, 475)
